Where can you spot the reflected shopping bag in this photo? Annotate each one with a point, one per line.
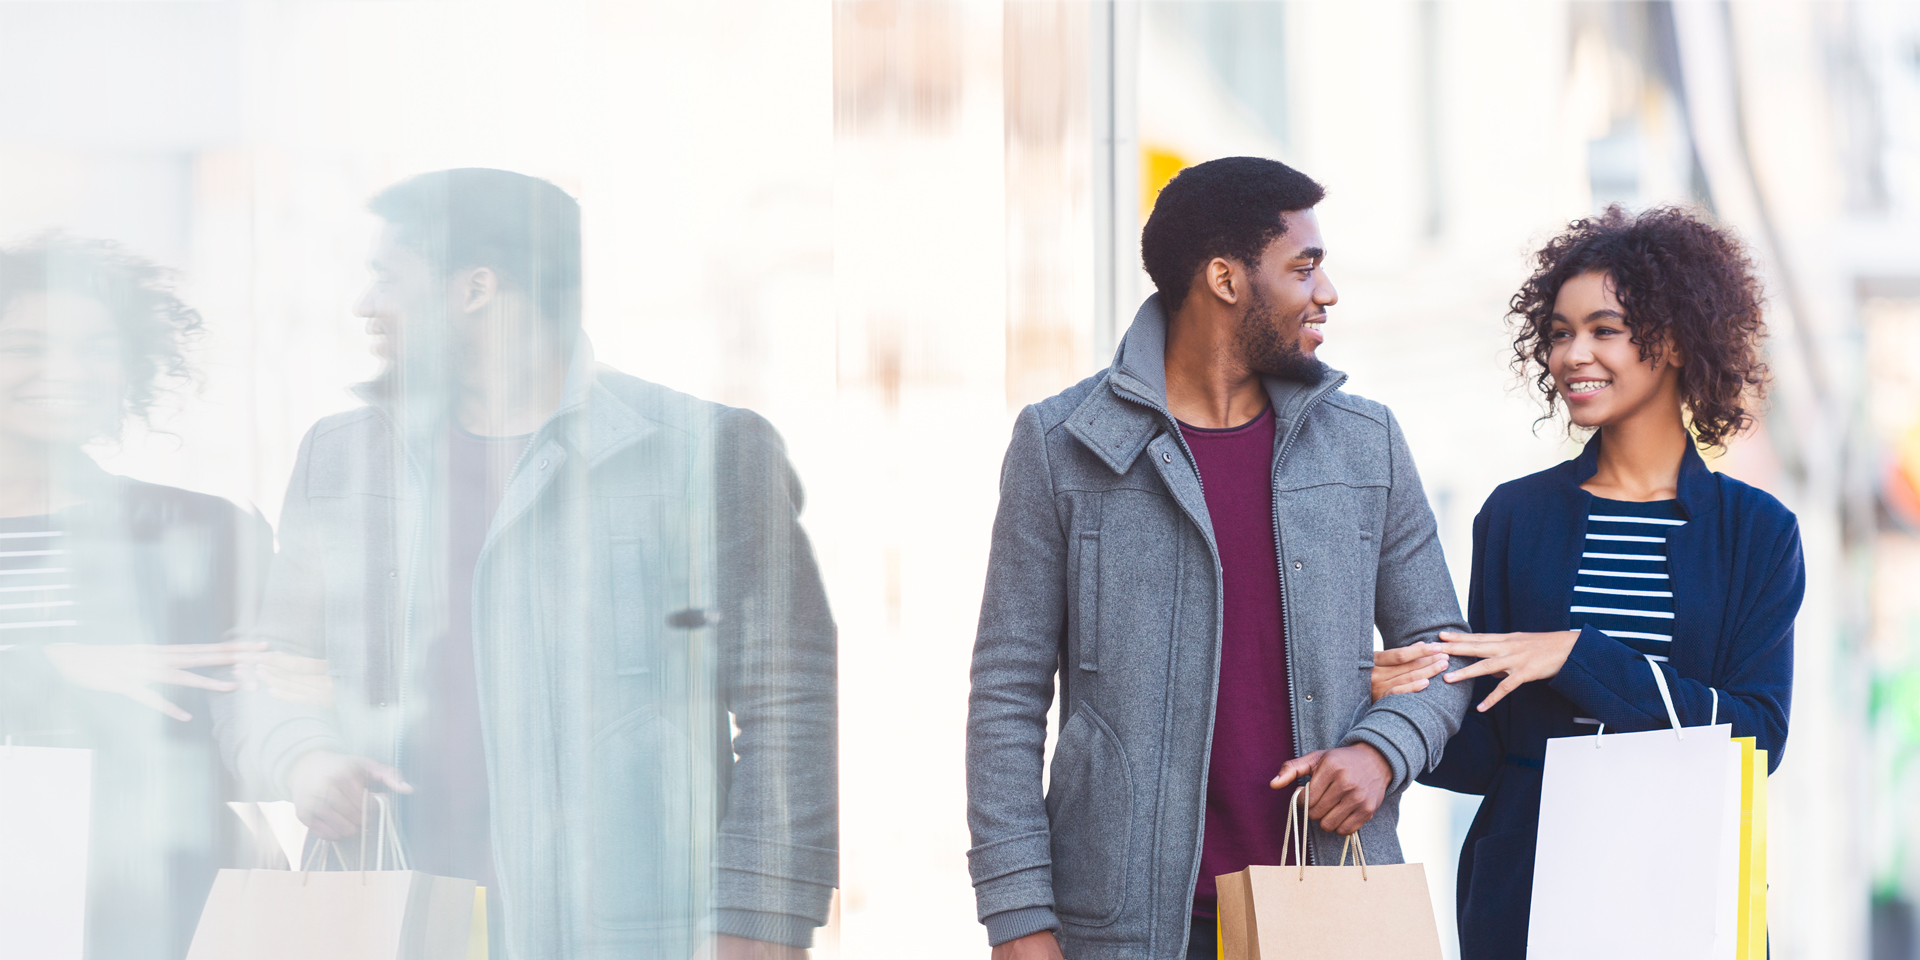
(367, 912)
(1639, 847)
(1326, 913)
(46, 798)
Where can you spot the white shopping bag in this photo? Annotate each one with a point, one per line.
(371, 909)
(46, 798)
(1639, 846)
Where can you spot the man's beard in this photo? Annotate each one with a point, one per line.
(1264, 349)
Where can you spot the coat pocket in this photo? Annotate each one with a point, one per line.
(1090, 811)
(642, 870)
(646, 557)
(1088, 601)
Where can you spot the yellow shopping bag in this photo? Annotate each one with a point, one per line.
(1751, 942)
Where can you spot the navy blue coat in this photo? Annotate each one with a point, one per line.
(1737, 584)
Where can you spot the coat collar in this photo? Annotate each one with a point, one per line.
(1128, 407)
(606, 423)
(1699, 489)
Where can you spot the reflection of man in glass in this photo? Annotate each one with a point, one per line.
(547, 595)
(110, 587)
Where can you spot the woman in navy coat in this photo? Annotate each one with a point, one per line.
(1648, 329)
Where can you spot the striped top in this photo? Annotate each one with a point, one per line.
(1622, 589)
(36, 592)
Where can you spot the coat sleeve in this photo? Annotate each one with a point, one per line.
(1413, 601)
(1016, 653)
(262, 737)
(1611, 681)
(1475, 753)
(778, 856)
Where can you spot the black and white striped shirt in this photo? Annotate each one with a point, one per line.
(36, 589)
(1623, 589)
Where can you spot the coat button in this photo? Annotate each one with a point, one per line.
(1297, 565)
(543, 464)
(1166, 458)
(393, 574)
(1309, 698)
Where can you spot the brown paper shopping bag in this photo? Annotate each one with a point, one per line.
(369, 913)
(1326, 913)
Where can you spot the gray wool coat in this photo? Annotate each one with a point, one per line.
(1104, 576)
(645, 587)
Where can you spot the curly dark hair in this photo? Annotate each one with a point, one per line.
(1681, 280)
(1229, 207)
(156, 328)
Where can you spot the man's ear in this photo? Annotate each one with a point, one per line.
(1223, 279)
(476, 288)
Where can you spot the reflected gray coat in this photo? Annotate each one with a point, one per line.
(644, 581)
(1104, 573)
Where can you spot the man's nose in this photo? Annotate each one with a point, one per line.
(363, 307)
(1323, 292)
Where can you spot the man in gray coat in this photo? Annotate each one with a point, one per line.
(569, 616)
(1197, 544)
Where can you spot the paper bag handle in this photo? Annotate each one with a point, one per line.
(1666, 697)
(389, 833)
(1359, 852)
(1298, 806)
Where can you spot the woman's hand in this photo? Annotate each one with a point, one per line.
(1517, 657)
(128, 669)
(290, 678)
(1406, 669)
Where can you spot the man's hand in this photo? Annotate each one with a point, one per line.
(1517, 657)
(1349, 784)
(290, 678)
(1034, 946)
(329, 791)
(128, 669)
(728, 947)
(1405, 669)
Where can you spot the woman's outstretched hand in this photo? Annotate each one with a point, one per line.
(128, 669)
(1406, 669)
(1517, 658)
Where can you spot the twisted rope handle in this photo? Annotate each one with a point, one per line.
(1297, 807)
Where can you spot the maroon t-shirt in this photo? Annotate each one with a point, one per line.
(1253, 719)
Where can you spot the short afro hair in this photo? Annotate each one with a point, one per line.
(1681, 280)
(1230, 208)
(156, 329)
(525, 228)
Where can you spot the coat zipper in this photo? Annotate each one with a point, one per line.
(1286, 609)
(1280, 568)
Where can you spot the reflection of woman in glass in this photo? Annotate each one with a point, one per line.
(109, 586)
(1648, 328)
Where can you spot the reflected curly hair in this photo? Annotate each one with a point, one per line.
(156, 328)
(1681, 281)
